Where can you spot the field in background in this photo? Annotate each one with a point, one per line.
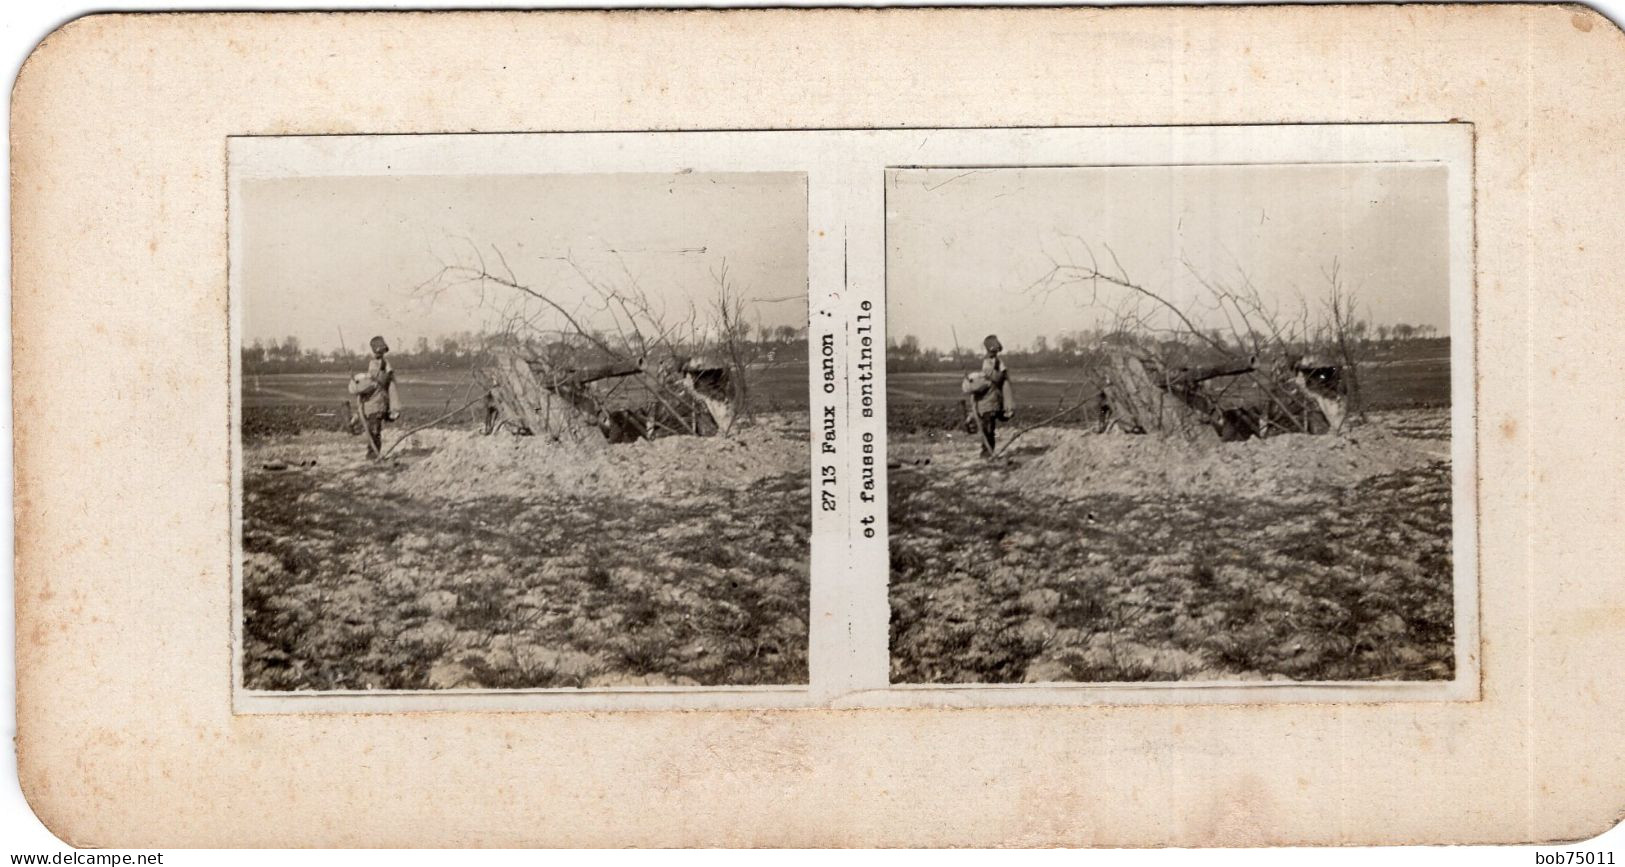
(288, 403)
(1406, 376)
(442, 389)
(419, 389)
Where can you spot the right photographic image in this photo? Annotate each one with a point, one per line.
(1170, 423)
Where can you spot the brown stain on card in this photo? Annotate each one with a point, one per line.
(1237, 815)
(1605, 620)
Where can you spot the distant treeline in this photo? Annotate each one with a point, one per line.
(463, 352)
(906, 355)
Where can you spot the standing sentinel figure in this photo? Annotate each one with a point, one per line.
(376, 396)
(988, 396)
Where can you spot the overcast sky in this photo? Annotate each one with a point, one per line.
(963, 248)
(321, 255)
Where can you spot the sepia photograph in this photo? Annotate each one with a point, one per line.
(522, 432)
(1170, 423)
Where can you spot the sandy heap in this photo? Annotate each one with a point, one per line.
(467, 466)
(1083, 463)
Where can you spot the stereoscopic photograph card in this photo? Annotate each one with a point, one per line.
(605, 442)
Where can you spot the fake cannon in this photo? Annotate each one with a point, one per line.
(1235, 401)
(615, 402)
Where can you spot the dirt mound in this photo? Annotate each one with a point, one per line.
(468, 466)
(1082, 463)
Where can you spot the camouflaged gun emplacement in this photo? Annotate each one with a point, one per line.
(617, 402)
(1236, 401)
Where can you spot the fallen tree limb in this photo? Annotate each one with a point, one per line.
(429, 424)
(1040, 423)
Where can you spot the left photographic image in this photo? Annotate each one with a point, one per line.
(541, 431)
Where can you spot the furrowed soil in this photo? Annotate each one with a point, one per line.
(1105, 558)
(511, 562)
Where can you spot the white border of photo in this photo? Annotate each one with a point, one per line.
(849, 618)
